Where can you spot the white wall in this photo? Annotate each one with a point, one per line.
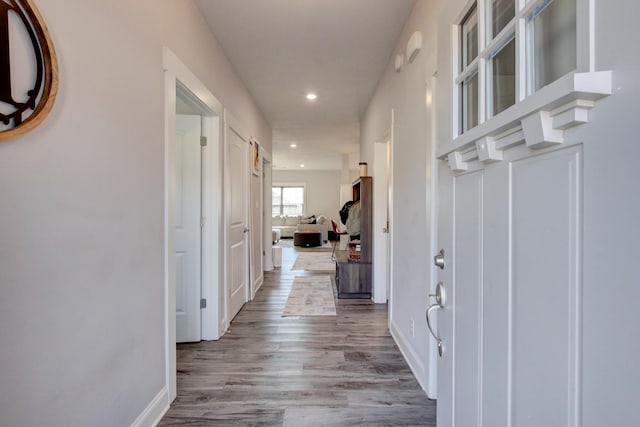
(81, 223)
(323, 190)
(404, 92)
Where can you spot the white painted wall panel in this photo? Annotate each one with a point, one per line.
(495, 299)
(467, 297)
(546, 289)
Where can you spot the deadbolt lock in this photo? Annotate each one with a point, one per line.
(439, 261)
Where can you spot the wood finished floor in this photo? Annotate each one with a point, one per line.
(269, 370)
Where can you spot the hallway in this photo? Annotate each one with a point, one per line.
(273, 370)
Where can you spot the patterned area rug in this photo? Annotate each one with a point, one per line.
(314, 261)
(310, 296)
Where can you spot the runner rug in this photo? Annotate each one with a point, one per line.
(310, 296)
(314, 261)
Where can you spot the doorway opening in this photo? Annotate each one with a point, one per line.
(192, 117)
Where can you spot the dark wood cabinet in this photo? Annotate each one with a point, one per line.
(353, 279)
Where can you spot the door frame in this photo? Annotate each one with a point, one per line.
(382, 259)
(267, 179)
(257, 225)
(432, 207)
(177, 75)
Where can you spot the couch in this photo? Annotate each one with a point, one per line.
(287, 225)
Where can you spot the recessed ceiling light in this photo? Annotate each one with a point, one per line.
(293, 145)
(301, 165)
(311, 96)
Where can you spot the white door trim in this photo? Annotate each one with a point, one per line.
(267, 209)
(381, 264)
(391, 203)
(432, 207)
(176, 73)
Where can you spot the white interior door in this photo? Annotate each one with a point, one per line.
(238, 253)
(256, 227)
(187, 230)
(266, 215)
(511, 322)
(381, 236)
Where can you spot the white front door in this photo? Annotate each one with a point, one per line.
(238, 252)
(511, 323)
(188, 231)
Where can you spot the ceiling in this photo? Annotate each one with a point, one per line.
(284, 49)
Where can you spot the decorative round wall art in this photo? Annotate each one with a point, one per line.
(28, 68)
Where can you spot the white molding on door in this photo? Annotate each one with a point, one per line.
(176, 73)
(538, 121)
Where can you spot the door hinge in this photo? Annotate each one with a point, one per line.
(203, 141)
(203, 303)
(203, 220)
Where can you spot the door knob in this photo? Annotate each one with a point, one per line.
(440, 303)
(439, 261)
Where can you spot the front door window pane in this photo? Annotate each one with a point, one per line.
(552, 42)
(501, 12)
(503, 66)
(469, 38)
(470, 103)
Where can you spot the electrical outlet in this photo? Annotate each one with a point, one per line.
(412, 329)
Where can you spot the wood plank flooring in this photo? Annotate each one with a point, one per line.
(270, 370)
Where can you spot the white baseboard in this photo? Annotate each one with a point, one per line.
(154, 412)
(412, 358)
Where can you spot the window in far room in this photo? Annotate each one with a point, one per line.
(287, 200)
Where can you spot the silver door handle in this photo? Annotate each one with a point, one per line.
(440, 302)
(439, 260)
(435, 336)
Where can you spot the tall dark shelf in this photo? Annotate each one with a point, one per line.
(353, 279)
